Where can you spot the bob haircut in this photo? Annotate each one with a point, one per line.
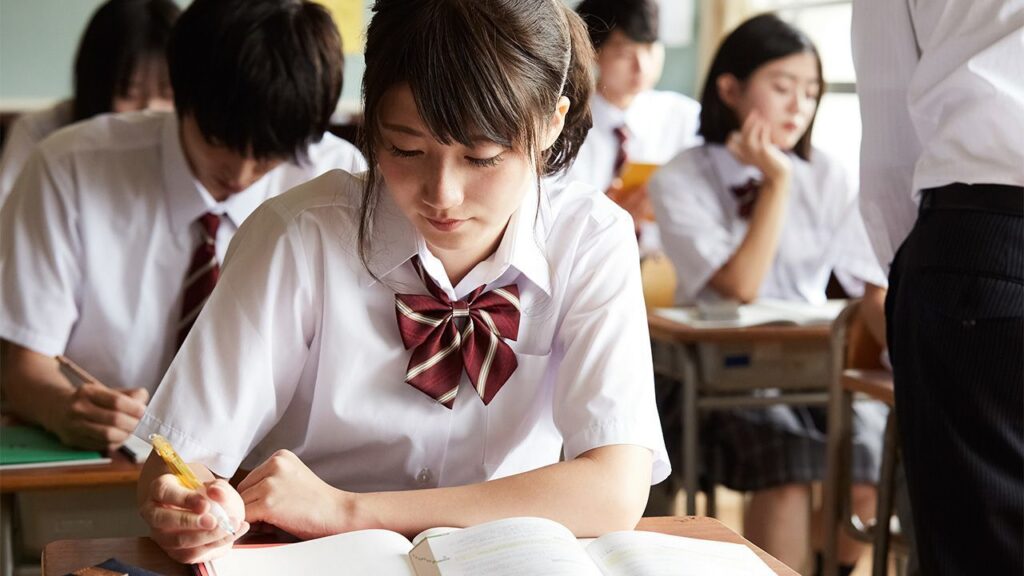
(260, 77)
(754, 43)
(120, 35)
(637, 19)
(495, 68)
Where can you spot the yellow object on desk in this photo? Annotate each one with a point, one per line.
(188, 478)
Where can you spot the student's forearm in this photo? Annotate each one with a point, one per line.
(601, 491)
(741, 276)
(34, 388)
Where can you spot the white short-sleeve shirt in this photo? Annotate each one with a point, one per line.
(28, 130)
(299, 348)
(97, 237)
(701, 227)
(941, 91)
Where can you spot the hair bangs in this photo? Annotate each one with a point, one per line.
(460, 83)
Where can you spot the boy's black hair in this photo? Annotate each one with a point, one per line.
(753, 44)
(637, 19)
(261, 77)
(120, 35)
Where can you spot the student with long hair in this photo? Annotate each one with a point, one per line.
(435, 342)
(120, 67)
(757, 212)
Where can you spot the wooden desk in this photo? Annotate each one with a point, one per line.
(64, 556)
(676, 356)
(121, 470)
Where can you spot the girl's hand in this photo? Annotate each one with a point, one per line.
(286, 493)
(180, 521)
(753, 145)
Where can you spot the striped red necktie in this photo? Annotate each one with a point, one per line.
(202, 274)
(447, 336)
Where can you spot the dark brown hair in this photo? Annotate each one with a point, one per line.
(753, 44)
(491, 67)
(637, 19)
(121, 35)
(261, 77)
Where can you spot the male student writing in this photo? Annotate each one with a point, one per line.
(113, 236)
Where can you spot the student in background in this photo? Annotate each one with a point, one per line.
(941, 88)
(298, 371)
(632, 121)
(120, 67)
(112, 238)
(753, 213)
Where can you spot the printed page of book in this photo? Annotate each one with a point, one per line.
(638, 553)
(377, 552)
(761, 313)
(509, 547)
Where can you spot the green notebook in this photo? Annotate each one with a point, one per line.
(29, 447)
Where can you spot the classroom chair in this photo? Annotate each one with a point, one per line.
(857, 371)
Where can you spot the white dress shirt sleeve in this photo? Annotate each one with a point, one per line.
(885, 55)
(40, 258)
(693, 226)
(18, 145)
(237, 371)
(604, 394)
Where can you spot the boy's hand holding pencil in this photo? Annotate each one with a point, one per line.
(95, 416)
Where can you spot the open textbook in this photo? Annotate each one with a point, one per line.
(511, 547)
(764, 312)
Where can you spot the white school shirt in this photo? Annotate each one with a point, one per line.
(941, 88)
(299, 348)
(701, 227)
(28, 130)
(97, 237)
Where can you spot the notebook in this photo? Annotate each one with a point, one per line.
(31, 447)
(761, 313)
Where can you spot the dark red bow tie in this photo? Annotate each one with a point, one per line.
(447, 336)
(746, 196)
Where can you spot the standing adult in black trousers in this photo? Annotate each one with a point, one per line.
(942, 193)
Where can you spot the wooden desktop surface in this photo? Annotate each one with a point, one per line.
(120, 470)
(666, 330)
(64, 556)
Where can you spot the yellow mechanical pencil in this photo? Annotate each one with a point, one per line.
(188, 478)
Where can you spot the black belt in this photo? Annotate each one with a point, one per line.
(995, 198)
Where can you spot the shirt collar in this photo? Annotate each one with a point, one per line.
(522, 247)
(187, 199)
(606, 116)
(731, 171)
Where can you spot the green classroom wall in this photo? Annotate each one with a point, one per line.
(38, 39)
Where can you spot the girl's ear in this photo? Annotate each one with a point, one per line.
(729, 90)
(556, 123)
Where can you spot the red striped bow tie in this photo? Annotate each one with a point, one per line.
(441, 348)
